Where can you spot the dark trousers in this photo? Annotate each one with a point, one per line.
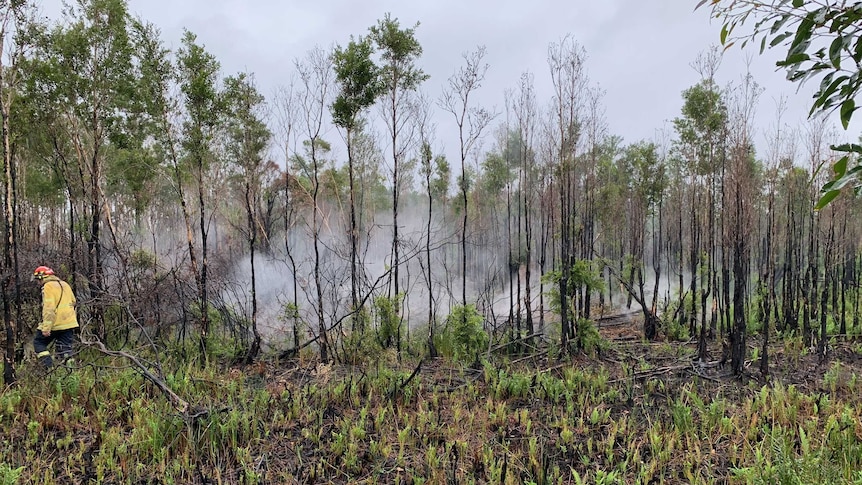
(63, 340)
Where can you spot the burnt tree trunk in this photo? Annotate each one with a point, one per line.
(737, 335)
(528, 250)
(432, 349)
(315, 231)
(565, 241)
(294, 313)
(511, 268)
(252, 240)
(828, 276)
(768, 279)
(354, 238)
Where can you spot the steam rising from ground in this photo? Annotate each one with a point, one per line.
(487, 282)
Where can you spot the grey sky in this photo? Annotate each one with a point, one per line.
(639, 51)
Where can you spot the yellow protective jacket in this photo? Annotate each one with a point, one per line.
(58, 305)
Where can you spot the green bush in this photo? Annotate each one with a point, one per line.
(388, 313)
(588, 338)
(670, 321)
(462, 338)
(358, 347)
(143, 260)
(9, 475)
(676, 332)
(581, 275)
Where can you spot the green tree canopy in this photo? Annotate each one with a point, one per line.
(823, 42)
(359, 81)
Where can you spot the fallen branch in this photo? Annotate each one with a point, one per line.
(404, 384)
(703, 376)
(522, 339)
(555, 367)
(414, 374)
(464, 383)
(179, 403)
(525, 358)
(650, 373)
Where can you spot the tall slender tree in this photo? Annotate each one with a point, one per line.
(471, 121)
(566, 61)
(248, 138)
(316, 77)
(15, 18)
(700, 147)
(427, 164)
(359, 85)
(525, 110)
(646, 186)
(399, 50)
(199, 73)
(286, 110)
(744, 175)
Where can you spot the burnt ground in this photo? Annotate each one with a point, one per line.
(628, 355)
(627, 359)
(389, 419)
(790, 361)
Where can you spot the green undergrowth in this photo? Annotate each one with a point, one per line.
(577, 421)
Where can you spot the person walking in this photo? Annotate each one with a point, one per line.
(59, 318)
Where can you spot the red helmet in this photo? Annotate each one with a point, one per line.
(42, 271)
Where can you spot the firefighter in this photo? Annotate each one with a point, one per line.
(59, 320)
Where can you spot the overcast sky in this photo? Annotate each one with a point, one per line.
(639, 51)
